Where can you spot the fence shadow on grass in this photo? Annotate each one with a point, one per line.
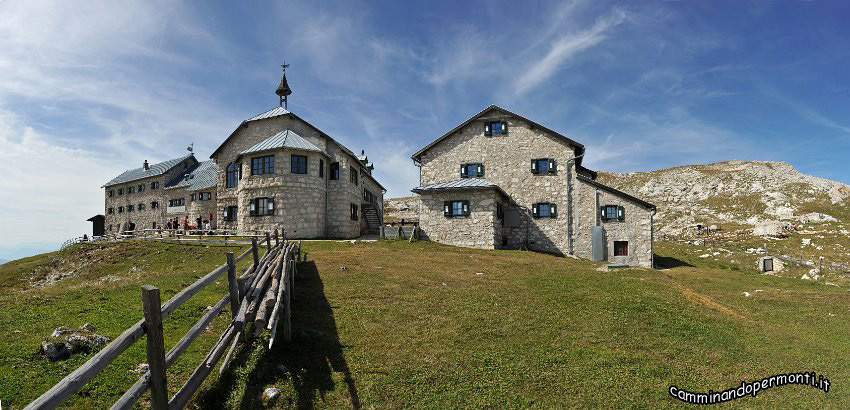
(311, 359)
(667, 262)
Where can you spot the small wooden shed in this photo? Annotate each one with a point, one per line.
(97, 225)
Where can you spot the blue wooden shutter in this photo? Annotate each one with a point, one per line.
(504, 127)
(602, 212)
(465, 208)
(553, 210)
(447, 211)
(463, 173)
(487, 130)
(533, 166)
(553, 165)
(621, 213)
(534, 210)
(480, 172)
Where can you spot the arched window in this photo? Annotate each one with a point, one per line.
(232, 175)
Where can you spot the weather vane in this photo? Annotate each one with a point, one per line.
(283, 89)
(189, 148)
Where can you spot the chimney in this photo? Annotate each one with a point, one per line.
(145, 165)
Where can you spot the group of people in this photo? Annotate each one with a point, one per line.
(201, 226)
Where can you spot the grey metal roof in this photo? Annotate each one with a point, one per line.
(202, 175)
(140, 172)
(465, 183)
(283, 139)
(274, 112)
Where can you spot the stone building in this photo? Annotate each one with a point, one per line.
(137, 197)
(276, 169)
(502, 181)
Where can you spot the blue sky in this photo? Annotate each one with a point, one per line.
(89, 89)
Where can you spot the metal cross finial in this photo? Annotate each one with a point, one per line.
(285, 66)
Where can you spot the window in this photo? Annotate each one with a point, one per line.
(500, 213)
(354, 212)
(544, 210)
(334, 170)
(120, 191)
(141, 187)
(176, 202)
(352, 175)
(155, 185)
(110, 211)
(232, 175)
(613, 213)
(111, 193)
(456, 208)
(262, 165)
(262, 207)
(142, 207)
(621, 248)
(298, 164)
(191, 197)
(471, 170)
(369, 197)
(322, 168)
(543, 166)
(495, 128)
(129, 208)
(230, 213)
(129, 190)
(204, 196)
(120, 209)
(154, 205)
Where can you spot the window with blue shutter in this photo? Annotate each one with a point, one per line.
(456, 208)
(613, 213)
(543, 166)
(475, 170)
(488, 129)
(544, 210)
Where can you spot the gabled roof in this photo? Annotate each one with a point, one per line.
(277, 112)
(579, 148)
(459, 184)
(616, 192)
(284, 139)
(201, 176)
(141, 172)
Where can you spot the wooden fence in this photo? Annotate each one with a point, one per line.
(260, 298)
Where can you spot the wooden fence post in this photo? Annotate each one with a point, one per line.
(256, 253)
(276, 238)
(232, 285)
(287, 325)
(155, 347)
(268, 243)
(299, 250)
(283, 233)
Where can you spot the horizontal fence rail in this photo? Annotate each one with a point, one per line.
(263, 291)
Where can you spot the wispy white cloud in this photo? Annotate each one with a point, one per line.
(563, 48)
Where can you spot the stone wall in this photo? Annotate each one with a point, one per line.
(507, 163)
(636, 229)
(478, 230)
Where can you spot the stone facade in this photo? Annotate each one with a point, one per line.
(506, 161)
(149, 217)
(481, 229)
(308, 205)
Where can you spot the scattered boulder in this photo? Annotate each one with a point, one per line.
(64, 342)
(816, 217)
(271, 393)
(142, 368)
(771, 228)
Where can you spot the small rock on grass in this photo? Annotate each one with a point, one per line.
(271, 393)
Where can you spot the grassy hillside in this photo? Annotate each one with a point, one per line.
(100, 286)
(393, 324)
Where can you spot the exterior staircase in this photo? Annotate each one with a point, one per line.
(373, 218)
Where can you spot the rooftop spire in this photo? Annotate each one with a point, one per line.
(283, 89)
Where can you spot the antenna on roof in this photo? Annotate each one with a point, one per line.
(283, 89)
(190, 147)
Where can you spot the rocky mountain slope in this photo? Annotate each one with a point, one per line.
(757, 197)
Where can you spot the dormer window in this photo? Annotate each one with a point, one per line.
(495, 128)
(474, 170)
